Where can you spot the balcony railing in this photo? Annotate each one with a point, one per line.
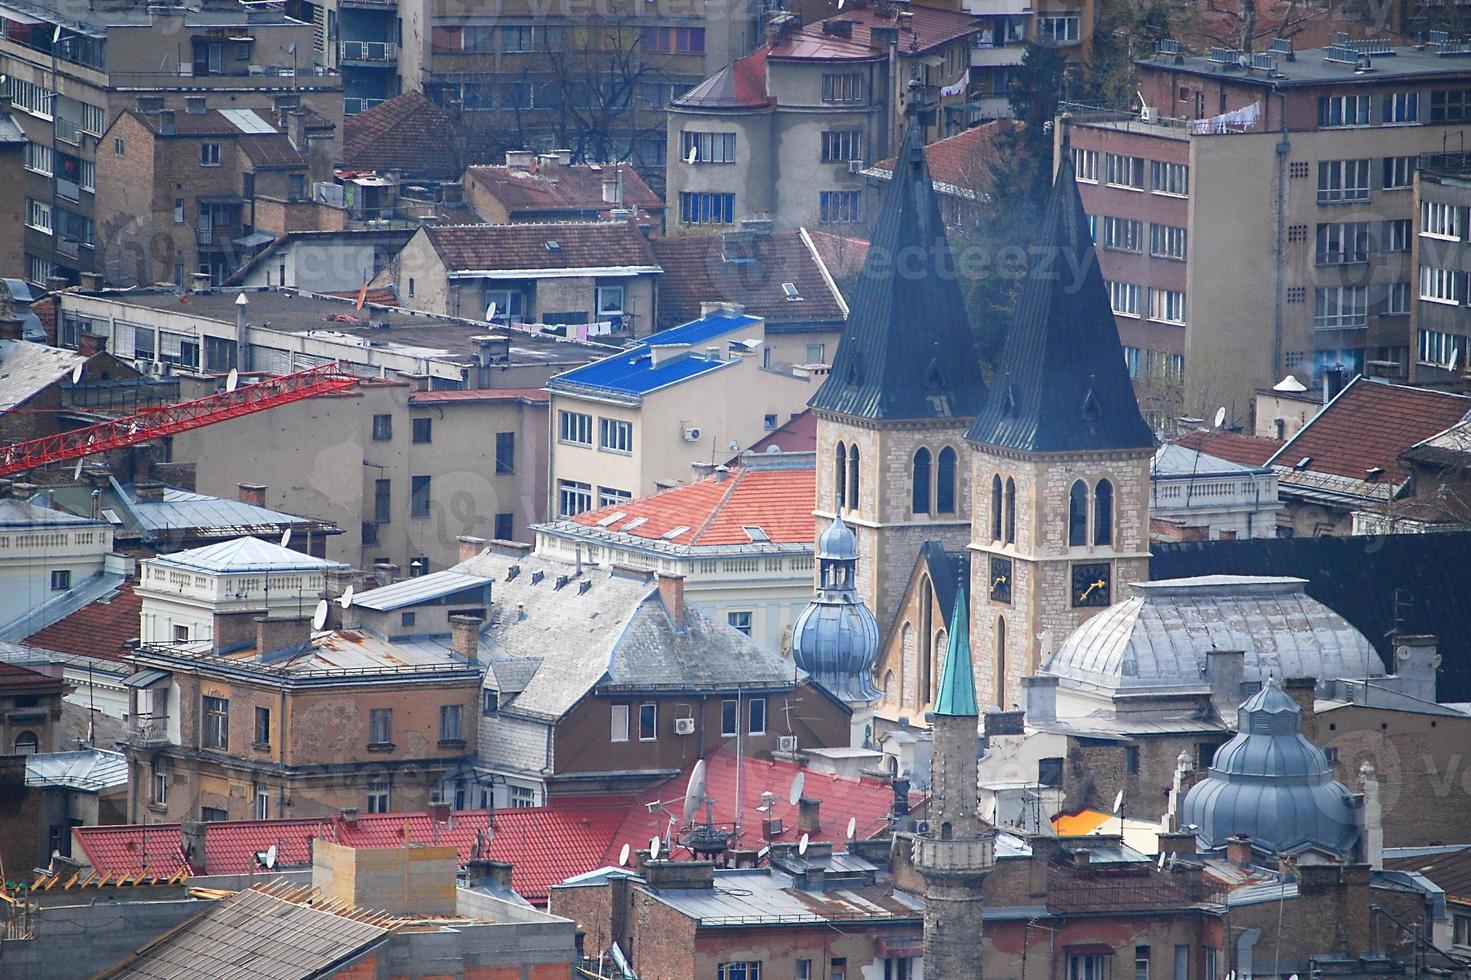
(353, 106)
(68, 132)
(148, 730)
(376, 51)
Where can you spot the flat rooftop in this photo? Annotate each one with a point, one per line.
(1318, 66)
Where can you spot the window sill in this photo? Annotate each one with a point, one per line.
(1423, 234)
(452, 743)
(1440, 302)
(261, 746)
(155, 807)
(1174, 194)
(381, 746)
(615, 452)
(1125, 187)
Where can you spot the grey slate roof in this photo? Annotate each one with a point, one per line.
(26, 369)
(907, 351)
(417, 590)
(1061, 384)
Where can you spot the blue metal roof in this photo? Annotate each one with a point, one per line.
(699, 331)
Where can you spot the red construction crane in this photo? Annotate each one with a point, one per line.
(181, 417)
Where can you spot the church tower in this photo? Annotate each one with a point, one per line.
(1059, 462)
(904, 385)
(957, 851)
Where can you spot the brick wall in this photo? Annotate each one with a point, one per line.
(662, 941)
(277, 217)
(12, 206)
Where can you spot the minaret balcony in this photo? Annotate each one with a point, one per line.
(968, 855)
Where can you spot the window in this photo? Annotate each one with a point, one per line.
(674, 40)
(1399, 173)
(1401, 107)
(505, 525)
(1141, 963)
(804, 970)
(1123, 171)
(1091, 966)
(1343, 110)
(1450, 105)
(707, 147)
(729, 718)
(842, 145)
(262, 726)
(1123, 297)
(411, 285)
(1437, 348)
(30, 97)
(1399, 234)
(839, 970)
(1123, 234)
(38, 215)
(1341, 181)
(740, 620)
(380, 726)
(1182, 963)
(160, 782)
(919, 482)
(262, 808)
(1085, 165)
(945, 481)
(1010, 511)
(619, 723)
(898, 968)
(522, 797)
(1341, 306)
(609, 496)
(610, 301)
(1131, 760)
(378, 797)
(839, 206)
(1461, 930)
(419, 496)
(1058, 29)
(61, 580)
(816, 354)
(1343, 243)
(1210, 963)
(1103, 513)
(490, 701)
(1169, 178)
(1397, 298)
(381, 498)
(382, 427)
(209, 154)
(1077, 515)
(768, 421)
(213, 814)
(26, 743)
(38, 158)
(574, 428)
(1167, 242)
(615, 435)
(216, 723)
(847, 87)
(1167, 305)
(573, 498)
(515, 39)
(841, 476)
(648, 722)
(407, 619)
(89, 175)
(853, 498)
(423, 430)
(744, 970)
(505, 452)
(449, 723)
(1439, 220)
(996, 508)
(756, 716)
(1049, 771)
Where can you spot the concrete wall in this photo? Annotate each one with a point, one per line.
(12, 205)
(112, 930)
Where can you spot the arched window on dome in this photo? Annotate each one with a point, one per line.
(1103, 513)
(945, 481)
(840, 489)
(853, 477)
(1001, 661)
(1010, 511)
(1077, 514)
(996, 508)
(919, 482)
(26, 743)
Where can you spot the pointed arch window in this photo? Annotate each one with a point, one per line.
(1103, 513)
(945, 481)
(1001, 661)
(1010, 511)
(840, 491)
(996, 508)
(1077, 515)
(853, 477)
(927, 638)
(920, 482)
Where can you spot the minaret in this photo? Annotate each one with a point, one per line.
(904, 385)
(1059, 462)
(956, 852)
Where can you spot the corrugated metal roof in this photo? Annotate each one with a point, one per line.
(90, 770)
(413, 591)
(246, 555)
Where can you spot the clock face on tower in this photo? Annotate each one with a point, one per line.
(1092, 584)
(1000, 579)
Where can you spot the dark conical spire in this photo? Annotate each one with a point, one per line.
(906, 351)
(1061, 384)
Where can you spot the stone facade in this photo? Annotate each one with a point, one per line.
(913, 655)
(1007, 636)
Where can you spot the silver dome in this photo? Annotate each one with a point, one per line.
(837, 543)
(836, 638)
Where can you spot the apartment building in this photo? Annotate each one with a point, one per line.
(631, 424)
(787, 130)
(71, 70)
(1440, 322)
(1256, 219)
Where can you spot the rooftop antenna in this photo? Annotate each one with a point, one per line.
(1118, 808)
(1455, 359)
(232, 380)
(623, 857)
(267, 858)
(319, 616)
(703, 840)
(77, 372)
(346, 601)
(654, 848)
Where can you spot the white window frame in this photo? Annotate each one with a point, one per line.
(612, 496)
(39, 159)
(710, 147)
(610, 300)
(1123, 234)
(380, 798)
(1167, 305)
(1343, 181)
(1342, 243)
(1344, 111)
(1397, 299)
(1447, 286)
(653, 709)
(1123, 298)
(39, 216)
(209, 154)
(573, 497)
(615, 435)
(1349, 306)
(574, 428)
(618, 721)
(1059, 28)
(1168, 242)
(1124, 171)
(730, 726)
(1399, 173)
(755, 726)
(1169, 179)
(841, 145)
(1401, 233)
(1085, 165)
(732, 616)
(1440, 220)
(1401, 108)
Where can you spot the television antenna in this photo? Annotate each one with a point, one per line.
(232, 380)
(623, 857)
(346, 600)
(703, 840)
(795, 793)
(319, 616)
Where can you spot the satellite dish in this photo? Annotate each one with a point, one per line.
(77, 372)
(1220, 416)
(623, 857)
(852, 821)
(77, 473)
(798, 781)
(734, 446)
(319, 617)
(840, 4)
(694, 794)
(1118, 801)
(490, 313)
(802, 846)
(693, 155)
(1455, 359)
(1162, 857)
(270, 857)
(346, 601)
(286, 538)
(654, 848)
(232, 380)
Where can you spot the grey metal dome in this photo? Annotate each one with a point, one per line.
(836, 639)
(1271, 784)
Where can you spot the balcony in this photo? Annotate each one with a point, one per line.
(367, 52)
(954, 856)
(148, 731)
(996, 55)
(353, 106)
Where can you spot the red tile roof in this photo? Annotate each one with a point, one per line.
(1232, 446)
(579, 245)
(749, 271)
(98, 629)
(577, 187)
(713, 511)
(414, 134)
(14, 679)
(961, 161)
(739, 85)
(478, 395)
(842, 255)
(381, 296)
(928, 28)
(798, 435)
(1368, 425)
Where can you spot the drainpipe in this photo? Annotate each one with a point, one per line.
(1284, 146)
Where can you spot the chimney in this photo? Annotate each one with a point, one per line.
(1415, 662)
(148, 490)
(780, 26)
(671, 593)
(279, 634)
(234, 630)
(1082, 857)
(1177, 842)
(385, 572)
(91, 343)
(199, 282)
(1039, 699)
(470, 546)
(1238, 850)
(1332, 383)
(192, 832)
(252, 493)
(465, 637)
(1371, 814)
(1225, 670)
(809, 816)
(612, 189)
(564, 157)
(547, 163)
(242, 334)
(837, 27)
(480, 872)
(55, 284)
(296, 128)
(520, 159)
(678, 874)
(91, 282)
(1303, 690)
(350, 816)
(11, 327)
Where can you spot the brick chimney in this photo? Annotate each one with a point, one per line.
(470, 546)
(252, 493)
(486, 872)
(1238, 850)
(1225, 670)
(671, 593)
(148, 490)
(1303, 690)
(275, 634)
(234, 630)
(809, 816)
(192, 832)
(465, 637)
(1177, 842)
(91, 343)
(678, 874)
(11, 327)
(385, 572)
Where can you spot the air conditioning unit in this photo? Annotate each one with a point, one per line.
(787, 743)
(855, 166)
(692, 433)
(684, 726)
(921, 827)
(1147, 114)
